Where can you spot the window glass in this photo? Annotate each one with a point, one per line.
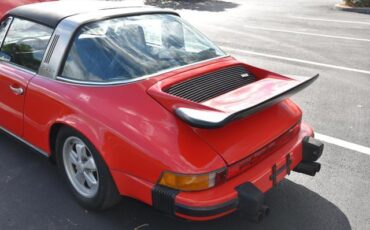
(131, 47)
(3, 28)
(26, 43)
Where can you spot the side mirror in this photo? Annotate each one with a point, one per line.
(5, 57)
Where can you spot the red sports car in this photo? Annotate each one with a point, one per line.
(134, 101)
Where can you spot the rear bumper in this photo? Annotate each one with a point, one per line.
(202, 212)
(244, 192)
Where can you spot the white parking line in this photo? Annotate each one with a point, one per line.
(343, 144)
(330, 20)
(333, 140)
(296, 60)
(306, 33)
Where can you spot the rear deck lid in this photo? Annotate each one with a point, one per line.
(237, 109)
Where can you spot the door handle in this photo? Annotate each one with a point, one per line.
(17, 90)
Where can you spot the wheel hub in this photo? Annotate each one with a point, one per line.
(80, 167)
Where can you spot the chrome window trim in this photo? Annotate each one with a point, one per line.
(7, 29)
(24, 141)
(66, 31)
(67, 28)
(15, 65)
(134, 79)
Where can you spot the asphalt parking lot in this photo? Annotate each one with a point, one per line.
(292, 37)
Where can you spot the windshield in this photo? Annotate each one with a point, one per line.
(131, 47)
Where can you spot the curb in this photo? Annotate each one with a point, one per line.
(364, 10)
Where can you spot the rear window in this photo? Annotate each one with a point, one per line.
(132, 47)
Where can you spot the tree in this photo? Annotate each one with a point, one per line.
(358, 3)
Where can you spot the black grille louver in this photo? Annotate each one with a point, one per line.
(211, 85)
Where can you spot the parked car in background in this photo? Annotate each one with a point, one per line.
(7, 5)
(133, 101)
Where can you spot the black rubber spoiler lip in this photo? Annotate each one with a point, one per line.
(195, 119)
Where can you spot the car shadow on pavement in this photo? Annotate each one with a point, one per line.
(292, 207)
(200, 5)
(33, 196)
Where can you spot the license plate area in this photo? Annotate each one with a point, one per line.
(276, 171)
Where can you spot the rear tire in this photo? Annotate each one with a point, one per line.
(85, 171)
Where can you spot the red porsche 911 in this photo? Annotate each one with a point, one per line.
(133, 101)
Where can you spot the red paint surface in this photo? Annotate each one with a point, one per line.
(7, 5)
(12, 105)
(259, 175)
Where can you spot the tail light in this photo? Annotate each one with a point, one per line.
(192, 182)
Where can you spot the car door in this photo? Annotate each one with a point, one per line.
(23, 44)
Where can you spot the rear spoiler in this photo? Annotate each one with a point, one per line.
(242, 102)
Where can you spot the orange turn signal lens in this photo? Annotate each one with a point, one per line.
(197, 182)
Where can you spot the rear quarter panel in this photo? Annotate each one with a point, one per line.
(132, 132)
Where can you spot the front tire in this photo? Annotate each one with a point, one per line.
(85, 171)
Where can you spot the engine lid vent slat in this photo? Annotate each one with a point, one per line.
(213, 84)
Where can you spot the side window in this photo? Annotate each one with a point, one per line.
(3, 28)
(25, 43)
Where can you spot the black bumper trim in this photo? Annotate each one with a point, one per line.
(312, 149)
(163, 199)
(207, 211)
(249, 201)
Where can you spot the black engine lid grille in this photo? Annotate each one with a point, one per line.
(213, 84)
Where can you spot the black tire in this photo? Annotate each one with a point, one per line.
(107, 194)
